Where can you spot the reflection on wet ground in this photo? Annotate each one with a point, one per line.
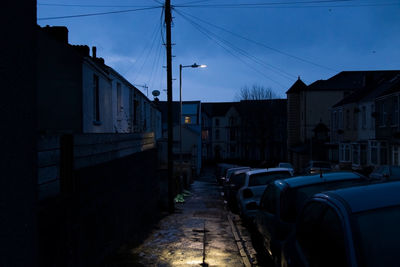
(197, 234)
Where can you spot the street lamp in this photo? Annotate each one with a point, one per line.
(180, 113)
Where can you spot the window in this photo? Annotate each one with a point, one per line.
(355, 120)
(395, 155)
(340, 119)
(363, 117)
(188, 120)
(321, 236)
(96, 98)
(232, 134)
(363, 155)
(119, 99)
(217, 134)
(356, 154)
(344, 152)
(335, 120)
(347, 119)
(383, 153)
(216, 122)
(383, 114)
(269, 199)
(395, 111)
(374, 153)
(372, 116)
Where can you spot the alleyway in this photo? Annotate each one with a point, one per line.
(200, 233)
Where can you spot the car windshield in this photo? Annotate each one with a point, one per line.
(238, 179)
(321, 165)
(267, 177)
(285, 165)
(377, 237)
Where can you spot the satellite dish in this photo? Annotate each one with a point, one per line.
(155, 93)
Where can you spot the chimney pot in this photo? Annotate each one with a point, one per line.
(94, 50)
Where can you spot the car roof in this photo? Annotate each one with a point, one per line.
(238, 168)
(315, 179)
(367, 197)
(268, 170)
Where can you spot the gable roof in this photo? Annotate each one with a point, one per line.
(374, 85)
(297, 87)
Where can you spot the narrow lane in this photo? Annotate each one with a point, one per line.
(197, 234)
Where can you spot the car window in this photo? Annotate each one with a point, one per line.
(238, 179)
(269, 199)
(320, 236)
(377, 235)
(293, 199)
(267, 177)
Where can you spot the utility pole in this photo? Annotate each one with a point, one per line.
(168, 19)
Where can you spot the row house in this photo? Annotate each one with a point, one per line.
(364, 123)
(249, 130)
(315, 117)
(79, 93)
(223, 130)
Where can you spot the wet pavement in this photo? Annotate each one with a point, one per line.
(200, 233)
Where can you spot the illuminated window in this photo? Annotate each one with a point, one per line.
(188, 120)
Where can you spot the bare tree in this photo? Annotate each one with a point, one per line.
(255, 92)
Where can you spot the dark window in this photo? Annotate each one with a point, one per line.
(216, 122)
(96, 97)
(217, 134)
(269, 199)
(321, 236)
(377, 237)
(267, 177)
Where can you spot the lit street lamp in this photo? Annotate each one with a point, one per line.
(180, 113)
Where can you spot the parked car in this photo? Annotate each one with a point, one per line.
(356, 226)
(230, 171)
(282, 201)
(285, 165)
(386, 172)
(221, 171)
(317, 167)
(232, 186)
(248, 196)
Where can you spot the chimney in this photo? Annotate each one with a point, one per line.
(94, 50)
(58, 33)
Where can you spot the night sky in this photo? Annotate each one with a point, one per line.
(268, 44)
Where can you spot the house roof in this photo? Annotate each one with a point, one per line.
(218, 109)
(298, 86)
(391, 87)
(375, 83)
(345, 81)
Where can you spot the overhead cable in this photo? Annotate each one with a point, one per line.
(99, 14)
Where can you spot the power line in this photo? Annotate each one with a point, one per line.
(265, 3)
(80, 5)
(291, 5)
(260, 44)
(98, 14)
(221, 43)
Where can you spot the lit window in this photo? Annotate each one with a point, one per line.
(188, 120)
